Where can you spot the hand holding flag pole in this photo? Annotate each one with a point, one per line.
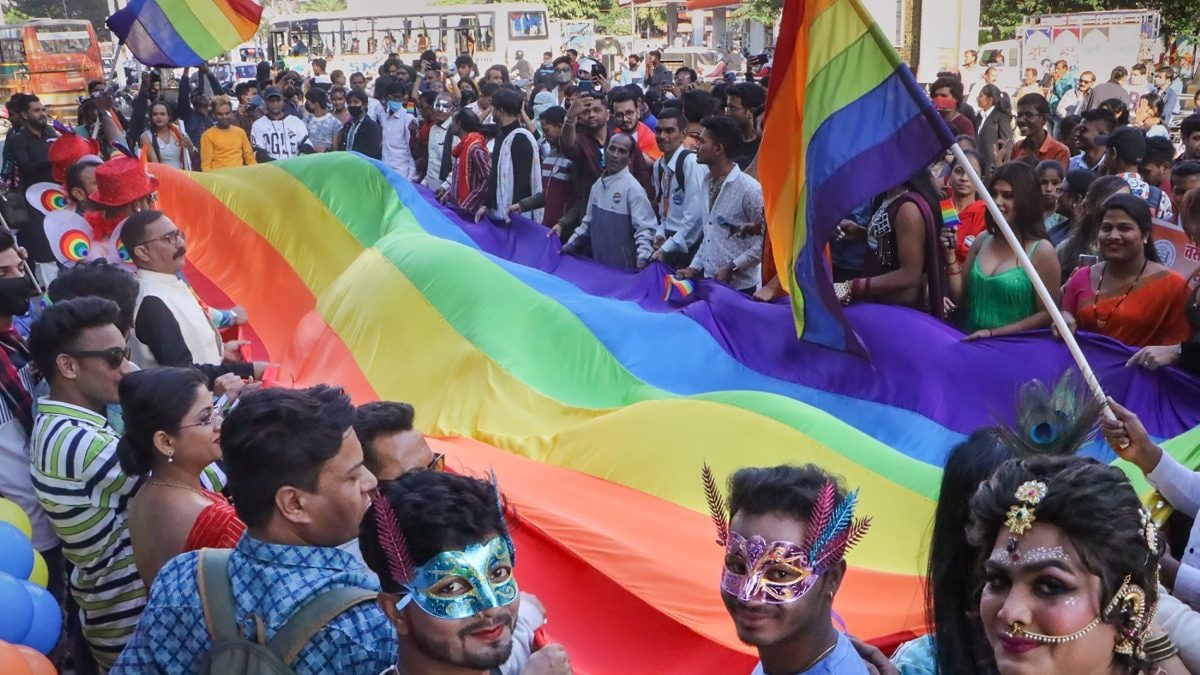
(1039, 287)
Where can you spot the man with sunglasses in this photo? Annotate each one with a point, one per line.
(391, 446)
(79, 349)
(171, 327)
(439, 160)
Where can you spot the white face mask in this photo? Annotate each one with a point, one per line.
(563, 78)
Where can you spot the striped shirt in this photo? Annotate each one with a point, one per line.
(84, 492)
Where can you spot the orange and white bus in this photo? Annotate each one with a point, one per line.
(53, 58)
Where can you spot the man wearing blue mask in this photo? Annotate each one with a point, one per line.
(398, 127)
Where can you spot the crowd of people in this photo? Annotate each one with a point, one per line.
(188, 514)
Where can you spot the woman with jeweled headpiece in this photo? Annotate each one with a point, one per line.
(1069, 567)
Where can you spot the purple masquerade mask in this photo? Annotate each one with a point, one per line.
(757, 571)
(780, 572)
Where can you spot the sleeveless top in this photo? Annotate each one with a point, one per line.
(998, 300)
(169, 152)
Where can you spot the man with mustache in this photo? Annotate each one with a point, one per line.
(171, 327)
(441, 548)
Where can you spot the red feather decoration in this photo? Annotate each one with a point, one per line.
(391, 540)
(716, 505)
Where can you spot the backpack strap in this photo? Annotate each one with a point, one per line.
(312, 617)
(216, 594)
(679, 159)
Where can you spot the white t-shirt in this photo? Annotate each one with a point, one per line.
(280, 138)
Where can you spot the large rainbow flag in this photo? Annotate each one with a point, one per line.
(178, 33)
(597, 401)
(845, 121)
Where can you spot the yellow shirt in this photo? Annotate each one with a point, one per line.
(220, 148)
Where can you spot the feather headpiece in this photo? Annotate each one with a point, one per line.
(717, 507)
(392, 541)
(1054, 422)
(512, 549)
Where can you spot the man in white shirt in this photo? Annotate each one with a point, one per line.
(441, 145)
(731, 251)
(276, 135)
(398, 125)
(679, 189)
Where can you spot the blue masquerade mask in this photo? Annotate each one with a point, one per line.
(461, 584)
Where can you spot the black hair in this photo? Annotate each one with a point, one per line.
(467, 120)
(133, 233)
(436, 512)
(1134, 207)
(281, 437)
(621, 95)
(361, 96)
(1154, 102)
(508, 102)
(654, 101)
(673, 114)
(1026, 217)
(1084, 236)
(317, 95)
(951, 603)
(691, 73)
(955, 85)
(1066, 128)
(380, 418)
(464, 60)
(787, 490)
(99, 278)
(1100, 115)
(752, 96)
(502, 69)
(561, 59)
(153, 400)
(55, 331)
(555, 114)
(698, 104)
(1189, 125)
(394, 88)
(1050, 165)
(1185, 169)
(726, 132)
(1037, 102)
(1159, 150)
(24, 103)
(1119, 108)
(428, 97)
(7, 241)
(243, 87)
(489, 89)
(1095, 507)
(75, 172)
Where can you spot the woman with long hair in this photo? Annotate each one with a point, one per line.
(995, 123)
(961, 191)
(1129, 296)
(998, 295)
(171, 436)
(1080, 246)
(164, 142)
(1186, 354)
(1069, 561)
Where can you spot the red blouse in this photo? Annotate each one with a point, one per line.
(217, 526)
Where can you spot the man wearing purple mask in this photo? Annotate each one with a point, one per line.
(785, 544)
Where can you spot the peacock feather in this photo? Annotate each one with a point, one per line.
(1055, 421)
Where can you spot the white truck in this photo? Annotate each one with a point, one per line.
(1095, 41)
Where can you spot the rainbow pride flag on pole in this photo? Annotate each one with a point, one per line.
(179, 33)
(846, 120)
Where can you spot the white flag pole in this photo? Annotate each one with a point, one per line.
(1039, 287)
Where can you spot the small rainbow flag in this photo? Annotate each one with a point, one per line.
(950, 220)
(675, 288)
(179, 33)
(846, 121)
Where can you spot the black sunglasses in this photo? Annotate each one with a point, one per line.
(113, 357)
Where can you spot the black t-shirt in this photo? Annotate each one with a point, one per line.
(746, 153)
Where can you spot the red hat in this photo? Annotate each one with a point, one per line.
(68, 149)
(121, 181)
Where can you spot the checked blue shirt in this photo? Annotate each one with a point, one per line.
(271, 581)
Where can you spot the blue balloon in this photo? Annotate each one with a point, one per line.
(46, 626)
(16, 552)
(16, 609)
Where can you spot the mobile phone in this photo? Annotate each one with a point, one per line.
(1085, 259)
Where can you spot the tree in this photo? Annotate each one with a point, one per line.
(765, 12)
(95, 11)
(1001, 18)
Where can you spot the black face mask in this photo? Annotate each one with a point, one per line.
(14, 295)
(355, 110)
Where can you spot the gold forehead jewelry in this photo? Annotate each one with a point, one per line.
(1020, 515)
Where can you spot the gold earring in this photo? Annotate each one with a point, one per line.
(1130, 603)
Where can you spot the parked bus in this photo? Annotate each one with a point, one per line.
(53, 58)
(354, 42)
